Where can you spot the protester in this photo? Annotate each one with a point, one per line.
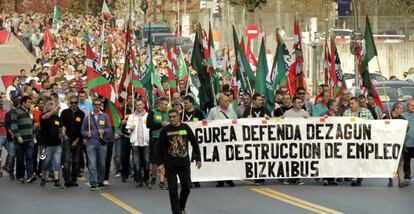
(408, 153)
(50, 131)
(356, 111)
(125, 141)
(139, 140)
(344, 102)
(72, 120)
(243, 106)
(96, 130)
(287, 104)
(3, 133)
(364, 103)
(332, 112)
(221, 112)
(371, 101)
(22, 129)
(320, 108)
(173, 154)
(396, 113)
(157, 119)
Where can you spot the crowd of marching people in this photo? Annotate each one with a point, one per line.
(55, 124)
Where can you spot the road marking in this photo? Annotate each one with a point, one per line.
(120, 203)
(294, 201)
(246, 182)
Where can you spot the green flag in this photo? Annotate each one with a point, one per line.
(105, 10)
(281, 63)
(197, 62)
(56, 16)
(147, 76)
(214, 63)
(263, 84)
(243, 66)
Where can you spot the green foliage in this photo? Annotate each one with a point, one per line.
(250, 5)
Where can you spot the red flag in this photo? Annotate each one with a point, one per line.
(250, 57)
(296, 77)
(48, 41)
(326, 57)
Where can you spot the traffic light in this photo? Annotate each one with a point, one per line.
(216, 7)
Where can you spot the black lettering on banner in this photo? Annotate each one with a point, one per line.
(262, 169)
(280, 132)
(349, 151)
(337, 154)
(270, 133)
(348, 131)
(289, 132)
(249, 169)
(328, 150)
(314, 167)
(318, 131)
(369, 149)
(229, 152)
(248, 151)
(377, 155)
(294, 172)
(291, 153)
(261, 131)
(265, 151)
(367, 131)
(304, 169)
(298, 135)
(206, 158)
(254, 133)
(216, 156)
(271, 170)
(328, 133)
(216, 134)
(283, 148)
(232, 134)
(237, 149)
(386, 151)
(307, 150)
(359, 150)
(199, 134)
(281, 171)
(310, 131)
(395, 151)
(246, 133)
(223, 134)
(357, 131)
(339, 134)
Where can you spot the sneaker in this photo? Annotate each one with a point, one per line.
(93, 188)
(67, 184)
(230, 183)
(139, 184)
(162, 186)
(197, 184)
(333, 183)
(43, 183)
(286, 182)
(183, 212)
(117, 175)
(257, 183)
(390, 183)
(220, 184)
(353, 183)
(74, 184)
(403, 184)
(124, 180)
(58, 185)
(21, 181)
(31, 179)
(11, 176)
(325, 182)
(106, 183)
(152, 183)
(300, 182)
(100, 184)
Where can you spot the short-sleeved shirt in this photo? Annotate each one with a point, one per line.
(362, 113)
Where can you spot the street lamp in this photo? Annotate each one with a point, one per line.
(144, 8)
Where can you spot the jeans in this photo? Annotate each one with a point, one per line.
(24, 154)
(117, 156)
(72, 160)
(141, 162)
(408, 154)
(96, 163)
(53, 158)
(11, 156)
(108, 160)
(125, 154)
(178, 203)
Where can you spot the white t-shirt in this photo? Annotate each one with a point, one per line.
(293, 113)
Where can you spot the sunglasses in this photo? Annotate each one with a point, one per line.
(301, 93)
(73, 102)
(95, 104)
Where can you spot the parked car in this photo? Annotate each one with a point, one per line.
(184, 43)
(350, 78)
(161, 38)
(142, 32)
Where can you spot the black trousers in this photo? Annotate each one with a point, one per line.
(125, 157)
(108, 159)
(72, 156)
(178, 202)
(408, 154)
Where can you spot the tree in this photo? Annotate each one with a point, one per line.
(250, 5)
(405, 7)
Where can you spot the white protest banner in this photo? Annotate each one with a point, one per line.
(298, 148)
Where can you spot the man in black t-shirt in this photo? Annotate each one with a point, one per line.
(172, 152)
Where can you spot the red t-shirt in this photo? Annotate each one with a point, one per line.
(36, 115)
(2, 118)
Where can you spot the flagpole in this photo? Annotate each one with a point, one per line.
(383, 87)
(187, 85)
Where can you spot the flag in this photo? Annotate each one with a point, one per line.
(182, 67)
(244, 72)
(281, 64)
(251, 57)
(48, 41)
(199, 64)
(105, 10)
(326, 63)
(57, 19)
(263, 83)
(171, 69)
(147, 80)
(336, 72)
(296, 77)
(213, 63)
(125, 85)
(369, 51)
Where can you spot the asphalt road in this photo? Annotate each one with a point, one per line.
(373, 197)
